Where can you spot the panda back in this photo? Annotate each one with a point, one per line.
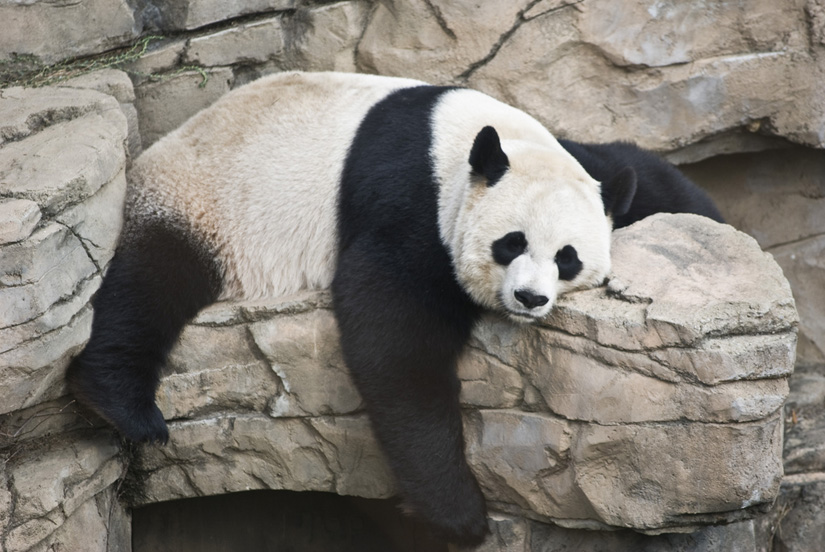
(256, 178)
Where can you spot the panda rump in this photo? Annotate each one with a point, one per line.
(393, 193)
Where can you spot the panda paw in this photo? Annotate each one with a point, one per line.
(460, 519)
(143, 424)
(467, 527)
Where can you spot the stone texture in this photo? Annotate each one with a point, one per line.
(736, 537)
(50, 490)
(54, 31)
(325, 38)
(177, 98)
(434, 40)
(114, 83)
(65, 162)
(40, 272)
(805, 422)
(191, 14)
(317, 38)
(255, 42)
(18, 217)
(228, 453)
(655, 72)
(799, 519)
(76, 167)
(777, 197)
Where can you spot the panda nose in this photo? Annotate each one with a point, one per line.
(530, 299)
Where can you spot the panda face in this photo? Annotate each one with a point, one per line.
(538, 232)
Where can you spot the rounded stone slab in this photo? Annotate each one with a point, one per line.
(676, 280)
(700, 277)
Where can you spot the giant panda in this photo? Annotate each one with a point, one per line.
(660, 186)
(420, 206)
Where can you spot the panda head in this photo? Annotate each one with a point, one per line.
(533, 225)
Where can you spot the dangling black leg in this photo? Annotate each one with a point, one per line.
(158, 280)
(400, 341)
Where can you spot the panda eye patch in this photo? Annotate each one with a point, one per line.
(507, 248)
(567, 259)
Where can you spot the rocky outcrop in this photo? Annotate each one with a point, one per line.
(704, 80)
(63, 155)
(579, 421)
(606, 415)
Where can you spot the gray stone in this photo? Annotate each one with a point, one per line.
(114, 83)
(191, 14)
(56, 31)
(229, 375)
(26, 111)
(303, 351)
(507, 534)
(97, 221)
(733, 357)
(703, 299)
(804, 263)
(58, 315)
(98, 525)
(83, 154)
(33, 371)
(78, 470)
(255, 42)
(586, 475)
(655, 73)
(160, 57)
(735, 537)
(18, 218)
(259, 452)
(107, 81)
(799, 519)
(636, 476)
(165, 104)
(433, 40)
(578, 387)
(488, 382)
(653, 34)
(329, 39)
(805, 421)
(39, 272)
(777, 197)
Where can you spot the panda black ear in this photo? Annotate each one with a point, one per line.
(487, 158)
(619, 191)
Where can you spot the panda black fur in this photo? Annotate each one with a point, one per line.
(660, 187)
(419, 205)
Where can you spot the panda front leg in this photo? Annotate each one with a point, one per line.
(400, 343)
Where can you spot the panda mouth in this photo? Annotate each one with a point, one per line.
(522, 317)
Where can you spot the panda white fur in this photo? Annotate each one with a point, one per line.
(419, 205)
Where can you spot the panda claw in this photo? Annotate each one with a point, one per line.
(144, 425)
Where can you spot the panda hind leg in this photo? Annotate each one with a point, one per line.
(158, 280)
(401, 352)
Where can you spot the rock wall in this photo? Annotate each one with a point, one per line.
(646, 379)
(694, 76)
